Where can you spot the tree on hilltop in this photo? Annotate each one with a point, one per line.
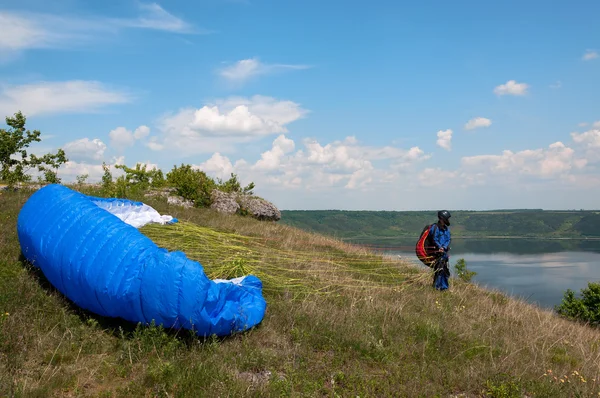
(15, 162)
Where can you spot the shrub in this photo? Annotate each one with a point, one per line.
(585, 309)
(192, 184)
(462, 272)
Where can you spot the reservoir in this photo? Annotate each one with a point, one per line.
(538, 271)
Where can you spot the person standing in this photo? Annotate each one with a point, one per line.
(441, 237)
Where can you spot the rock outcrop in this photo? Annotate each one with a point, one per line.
(231, 203)
(179, 201)
(259, 208)
(224, 202)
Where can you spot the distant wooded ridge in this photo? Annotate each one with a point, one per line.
(370, 225)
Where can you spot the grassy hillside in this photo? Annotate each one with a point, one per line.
(382, 225)
(340, 322)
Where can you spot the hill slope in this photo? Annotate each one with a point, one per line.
(340, 320)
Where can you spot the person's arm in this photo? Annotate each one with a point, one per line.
(436, 235)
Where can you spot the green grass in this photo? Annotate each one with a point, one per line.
(340, 321)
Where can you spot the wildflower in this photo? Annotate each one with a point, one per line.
(562, 380)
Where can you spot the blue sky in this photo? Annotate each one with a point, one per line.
(323, 104)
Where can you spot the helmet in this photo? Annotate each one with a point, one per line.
(445, 216)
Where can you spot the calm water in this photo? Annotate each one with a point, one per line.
(537, 271)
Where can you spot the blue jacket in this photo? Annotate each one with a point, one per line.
(441, 237)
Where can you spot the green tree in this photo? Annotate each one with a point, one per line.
(81, 179)
(233, 185)
(15, 162)
(158, 179)
(108, 186)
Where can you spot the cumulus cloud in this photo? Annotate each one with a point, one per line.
(224, 124)
(246, 69)
(271, 159)
(121, 138)
(478, 122)
(557, 159)
(344, 164)
(73, 96)
(444, 139)
(85, 149)
(590, 54)
(219, 166)
(590, 138)
(511, 87)
(154, 145)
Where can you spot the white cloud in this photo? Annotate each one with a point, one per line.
(121, 138)
(85, 149)
(22, 31)
(590, 138)
(511, 87)
(141, 132)
(26, 30)
(226, 123)
(218, 165)
(246, 69)
(558, 159)
(590, 54)
(271, 159)
(314, 174)
(558, 84)
(73, 96)
(436, 177)
(596, 125)
(153, 16)
(444, 139)
(237, 121)
(72, 169)
(342, 164)
(583, 124)
(154, 145)
(149, 165)
(477, 123)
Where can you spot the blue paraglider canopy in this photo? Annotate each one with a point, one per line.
(90, 249)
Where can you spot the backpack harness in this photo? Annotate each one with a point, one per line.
(425, 247)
